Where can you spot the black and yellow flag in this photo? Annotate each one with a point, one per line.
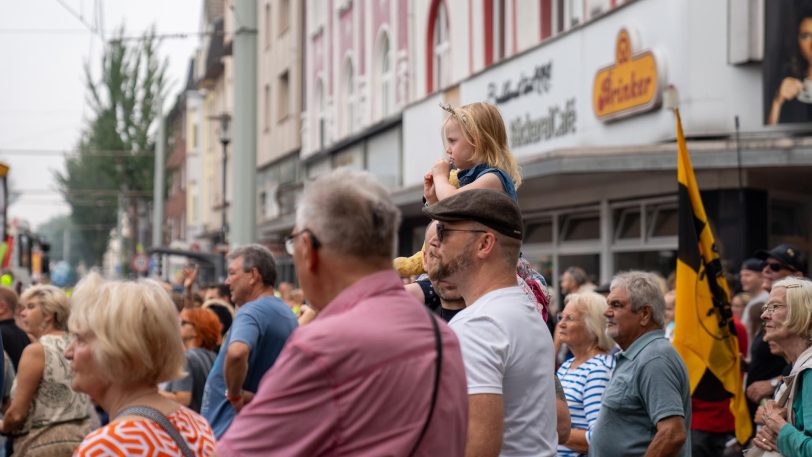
(704, 333)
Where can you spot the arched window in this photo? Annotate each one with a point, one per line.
(441, 73)
(348, 121)
(384, 76)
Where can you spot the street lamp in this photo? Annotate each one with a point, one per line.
(225, 138)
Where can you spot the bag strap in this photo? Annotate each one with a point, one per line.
(158, 417)
(438, 365)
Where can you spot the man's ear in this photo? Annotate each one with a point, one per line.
(309, 253)
(486, 244)
(646, 315)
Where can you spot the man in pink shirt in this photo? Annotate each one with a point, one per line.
(375, 373)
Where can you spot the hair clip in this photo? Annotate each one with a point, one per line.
(460, 116)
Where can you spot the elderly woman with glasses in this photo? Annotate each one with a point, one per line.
(127, 341)
(585, 376)
(787, 320)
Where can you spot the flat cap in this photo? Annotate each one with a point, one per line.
(491, 208)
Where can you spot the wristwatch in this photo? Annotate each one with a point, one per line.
(774, 382)
(233, 398)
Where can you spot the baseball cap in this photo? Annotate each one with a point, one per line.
(753, 264)
(491, 208)
(787, 254)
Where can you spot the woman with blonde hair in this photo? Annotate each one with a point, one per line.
(126, 341)
(787, 317)
(45, 417)
(581, 325)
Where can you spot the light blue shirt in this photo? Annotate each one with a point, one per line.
(264, 325)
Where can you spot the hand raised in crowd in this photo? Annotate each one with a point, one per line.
(190, 276)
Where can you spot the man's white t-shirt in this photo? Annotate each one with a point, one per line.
(507, 350)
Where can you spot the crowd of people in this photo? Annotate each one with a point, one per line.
(470, 359)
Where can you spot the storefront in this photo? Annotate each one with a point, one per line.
(586, 119)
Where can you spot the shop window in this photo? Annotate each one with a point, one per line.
(627, 226)
(788, 219)
(580, 227)
(539, 231)
(663, 262)
(663, 220)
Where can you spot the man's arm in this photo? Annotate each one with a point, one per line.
(235, 370)
(669, 439)
(486, 416)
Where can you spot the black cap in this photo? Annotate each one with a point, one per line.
(787, 254)
(491, 208)
(753, 264)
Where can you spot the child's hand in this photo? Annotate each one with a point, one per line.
(441, 168)
(428, 189)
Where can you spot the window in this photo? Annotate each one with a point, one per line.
(385, 89)
(441, 69)
(283, 88)
(580, 227)
(349, 98)
(284, 16)
(540, 231)
(267, 24)
(319, 131)
(194, 135)
(266, 108)
(499, 31)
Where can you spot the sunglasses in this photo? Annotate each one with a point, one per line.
(442, 231)
(776, 267)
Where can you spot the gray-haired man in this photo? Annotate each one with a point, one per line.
(260, 329)
(646, 408)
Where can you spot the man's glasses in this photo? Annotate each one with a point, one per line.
(290, 240)
(442, 231)
(776, 267)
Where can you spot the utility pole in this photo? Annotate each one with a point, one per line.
(158, 189)
(244, 138)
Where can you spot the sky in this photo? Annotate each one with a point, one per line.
(45, 45)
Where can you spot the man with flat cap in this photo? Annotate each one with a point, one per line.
(506, 345)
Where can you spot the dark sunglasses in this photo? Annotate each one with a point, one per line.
(776, 267)
(442, 230)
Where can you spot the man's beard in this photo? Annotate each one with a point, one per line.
(439, 270)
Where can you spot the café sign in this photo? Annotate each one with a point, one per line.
(630, 85)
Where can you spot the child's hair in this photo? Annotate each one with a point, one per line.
(483, 127)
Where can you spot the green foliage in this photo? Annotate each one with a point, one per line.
(113, 164)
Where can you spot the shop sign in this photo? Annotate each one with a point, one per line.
(531, 116)
(629, 86)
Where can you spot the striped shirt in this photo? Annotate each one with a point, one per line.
(583, 386)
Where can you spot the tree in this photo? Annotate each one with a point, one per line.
(112, 167)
